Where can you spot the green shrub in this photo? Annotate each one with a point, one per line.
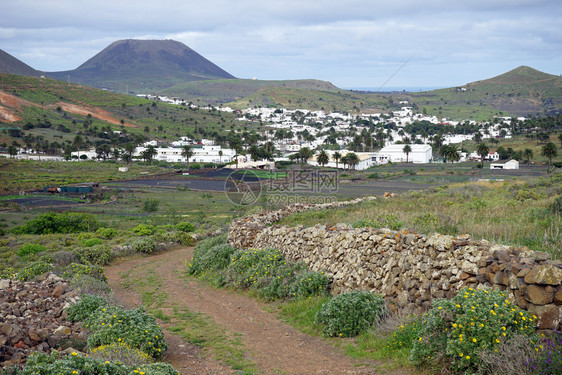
(90, 285)
(135, 328)
(107, 233)
(185, 226)
(85, 307)
(30, 248)
(55, 364)
(33, 270)
(63, 258)
(184, 238)
(120, 352)
(75, 269)
(405, 335)
(144, 229)
(272, 276)
(457, 330)
(349, 314)
(213, 258)
(91, 242)
(52, 222)
(309, 284)
(143, 245)
(98, 254)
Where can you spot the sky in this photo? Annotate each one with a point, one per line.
(374, 44)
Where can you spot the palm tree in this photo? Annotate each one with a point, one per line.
(149, 153)
(322, 158)
(407, 149)
(337, 157)
(549, 150)
(187, 152)
(482, 151)
(452, 154)
(304, 154)
(129, 149)
(352, 160)
(220, 156)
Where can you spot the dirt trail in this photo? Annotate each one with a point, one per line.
(275, 347)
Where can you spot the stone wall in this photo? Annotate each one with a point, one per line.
(410, 269)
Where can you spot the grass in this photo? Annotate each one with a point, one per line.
(30, 175)
(476, 208)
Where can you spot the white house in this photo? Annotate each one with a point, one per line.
(512, 164)
(365, 159)
(201, 154)
(395, 153)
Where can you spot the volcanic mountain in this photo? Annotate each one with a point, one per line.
(9, 64)
(143, 66)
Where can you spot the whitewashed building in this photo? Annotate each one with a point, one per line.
(512, 164)
(395, 154)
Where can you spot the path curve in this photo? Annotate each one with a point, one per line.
(273, 345)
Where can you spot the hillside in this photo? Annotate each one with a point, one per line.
(142, 66)
(10, 65)
(522, 91)
(232, 90)
(50, 113)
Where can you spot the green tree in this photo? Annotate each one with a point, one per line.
(129, 150)
(549, 151)
(322, 158)
(407, 149)
(187, 153)
(149, 153)
(482, 151)
(352, 160)
(337, 157)
(304, 154)
(13, 151)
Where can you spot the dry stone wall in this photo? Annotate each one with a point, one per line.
(410, 269)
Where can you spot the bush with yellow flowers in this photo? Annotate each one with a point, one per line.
(136, 328)
(76, 363)
(455, 331)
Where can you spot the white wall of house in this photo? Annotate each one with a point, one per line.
(394, 153)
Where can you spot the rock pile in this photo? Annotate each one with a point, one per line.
(410, 269)
(32, 318)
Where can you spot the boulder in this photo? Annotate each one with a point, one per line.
(544, 274)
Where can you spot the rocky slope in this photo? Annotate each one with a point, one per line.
(33, 318)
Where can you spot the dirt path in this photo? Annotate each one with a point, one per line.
(275, 347)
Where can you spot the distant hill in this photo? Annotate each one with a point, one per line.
(10, 65)
(142, 66)
(231, 90)
(522, 91)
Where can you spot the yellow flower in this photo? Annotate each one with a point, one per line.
(460, 354)
(473, 340)
(74, 353)
(467, 357)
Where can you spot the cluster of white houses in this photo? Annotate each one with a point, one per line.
(210, 153)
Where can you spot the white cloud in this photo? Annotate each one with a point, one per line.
(356, 42)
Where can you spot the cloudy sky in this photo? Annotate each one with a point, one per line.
(351, 43)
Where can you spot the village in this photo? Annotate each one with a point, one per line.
(288, 132)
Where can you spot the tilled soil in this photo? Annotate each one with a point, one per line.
(274, 346)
